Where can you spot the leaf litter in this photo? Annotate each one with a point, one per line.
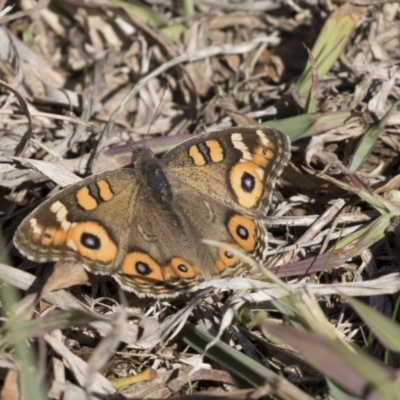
(84, 81)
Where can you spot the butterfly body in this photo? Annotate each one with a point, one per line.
(145, 226)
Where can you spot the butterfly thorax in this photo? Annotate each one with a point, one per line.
(151, 170)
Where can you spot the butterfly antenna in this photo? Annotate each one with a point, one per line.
(166, 87)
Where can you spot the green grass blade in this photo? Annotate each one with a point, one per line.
(29, 386)
(311, 103)
(236, 362)
(365, 237)
(188, 8)
(306, 125)
(385, 330)
(369, 140)
(15, 330)
(338, 393)
(330, 44)
(354, 185)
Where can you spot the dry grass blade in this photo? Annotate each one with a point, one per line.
(171, 382)
(346, 365)
(315, 228)
(18, 15)
(65, 275)
(104, 351)
(262, 291)
(79, 368)
(191, 57)
(24, 107)
(56, 173)
(61, 299)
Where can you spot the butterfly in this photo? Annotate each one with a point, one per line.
(145, 225)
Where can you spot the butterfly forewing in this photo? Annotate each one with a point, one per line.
(83, 222)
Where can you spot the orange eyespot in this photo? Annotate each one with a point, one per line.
(243, 231)
(246, 180)
(180, 268)
(142, 268)
(262, 156)
(91, 241)
(226, 258)
(53, 237)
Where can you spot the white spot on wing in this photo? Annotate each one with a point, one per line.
(35, 227)
(238, 143)
(263, 137)
(61, 212)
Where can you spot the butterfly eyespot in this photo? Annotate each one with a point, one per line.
(228, 254)
(48, 236)
(248, 182)
(142, 268)
(243, 231)
(226, 258)
(182, 268)
(90, 241)
(179, 268)
(262, 155)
